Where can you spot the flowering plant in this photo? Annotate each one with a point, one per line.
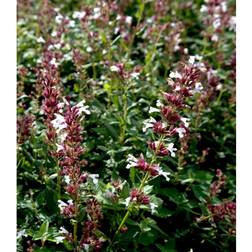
(126, 126)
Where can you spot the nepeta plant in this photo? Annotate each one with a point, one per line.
(123, 137)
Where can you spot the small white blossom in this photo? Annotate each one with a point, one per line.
(181, 132)
(132, 161)
(61, 205)
(70, 202)
(59, 239)
(67, 179)
(198, 87)
(89, 49)
(62, 136)
(191, 60)
(79, 15)
(165, 174)
(232, 23)
(153, 110)
(175, 75)
(148, 123)
(127, 201)
(128, 20)
(153, 208)
(185, 121)
(219, 87)
(63, 231)
(21, 233)
(114, 69)
(58, 19)
(57, 46)
(215, 38)
(97, 13)
(59, 123)
(159, 104)
(224, 6)
(40, 40)
(59, 147)
(216, 23)
(71, 23)
(171, 149)
(94, 178)
(135, 75)
(203, 9)
(53, 62)
(83, 108)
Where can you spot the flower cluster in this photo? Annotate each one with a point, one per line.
(216, 17)
(24, 127)
(89, 238)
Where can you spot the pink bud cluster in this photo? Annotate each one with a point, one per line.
(24, 126)
(216, 186)
(70, 151)
(89, 237)
(216, 16)
(139, 197)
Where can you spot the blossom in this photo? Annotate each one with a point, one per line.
(128, 20)
(132, 161)
(153, 207)
(216, 23)
(79, 15)
(165, 174)
(198, 87)
(58, 19)
(135, 75)
(149, 123)
(59, 123)
(61, 205)
(127, 201)
(82, 108)
(180, 131)
(175, 75)
(114, 69)
(94, 178)
(185, 121)
(171, 149)
(40, 40)
(153, 110)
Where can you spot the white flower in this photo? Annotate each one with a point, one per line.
(59, 147)
(71, 23)
(128, 20)
(216, 23)
(127, 201)
(59, 123)
(62, 136)
(53, 62)
(67, 179)
(165, 174)
(61, 205)
(40, 40)
(232, 23)
(57, 46)
(215, 38)
(159, 104)
(59, 239)
(203, 9)
(181, 132)
(63, 231)
(175, 75)
(171, 149)
(97, 13)
(185, 121)
(153, 208)
(191, 60)
(148, 123)
(198, 87)
(94, 177)
(83, 108)
(70, 202)
(219, 87)
(153, 110)
(114, 69)
(224, 6)
(89, 49)
(132, 161)
(21, 233)
(58, 18)
(79, 15)
(135, 75)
